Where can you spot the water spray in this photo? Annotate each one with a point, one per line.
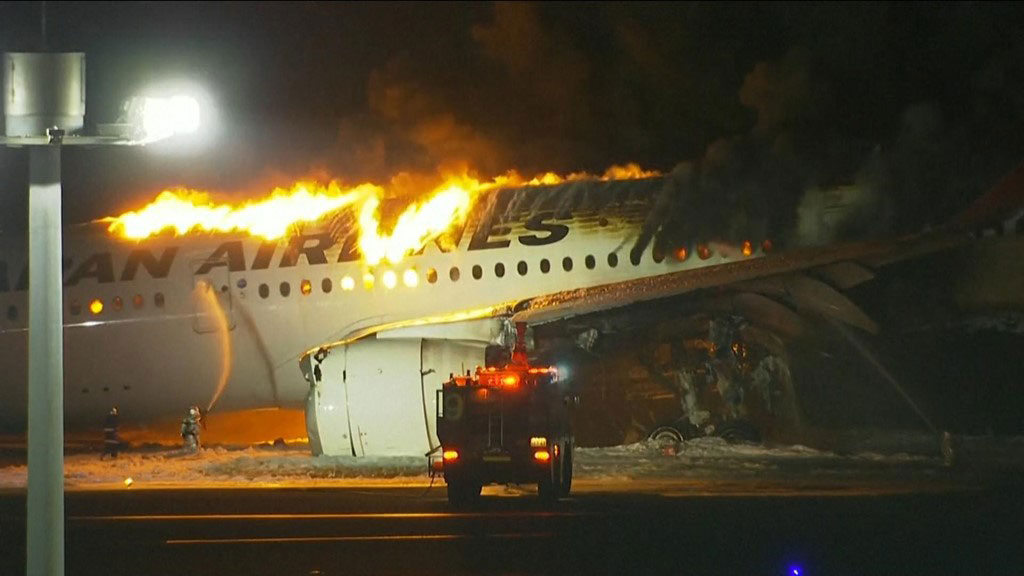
(212, 305)
(874, 361)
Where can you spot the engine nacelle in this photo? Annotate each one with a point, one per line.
(376, 397)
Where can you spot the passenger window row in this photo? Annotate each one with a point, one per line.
(409, 278)
(96, 306)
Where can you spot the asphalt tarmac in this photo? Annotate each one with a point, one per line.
(411, 530)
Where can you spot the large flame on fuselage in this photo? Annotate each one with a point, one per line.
(184, 211)
(417, 225)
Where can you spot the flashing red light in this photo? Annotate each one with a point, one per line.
(450, 455)
(541, 456)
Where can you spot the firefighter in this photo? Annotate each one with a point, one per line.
(190, 429)
(111, 441)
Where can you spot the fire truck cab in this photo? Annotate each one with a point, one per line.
(505, 425)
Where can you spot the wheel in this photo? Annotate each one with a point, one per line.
(550, 488)
(738, 431)
(566, 483)
(462, 492)
(666, 436)
(546, 490)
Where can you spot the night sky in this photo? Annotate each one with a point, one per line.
(750, 104)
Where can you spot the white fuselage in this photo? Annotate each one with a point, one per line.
(163, 348)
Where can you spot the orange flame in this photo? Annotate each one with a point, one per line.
(417, 225)
(186, 211)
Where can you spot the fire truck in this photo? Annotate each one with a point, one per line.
(511, 424)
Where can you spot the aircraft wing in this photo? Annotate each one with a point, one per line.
(808, 279)
(779, 274)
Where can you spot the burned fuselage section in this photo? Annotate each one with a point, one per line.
(693, 375)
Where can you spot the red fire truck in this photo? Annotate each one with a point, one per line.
(506, 425)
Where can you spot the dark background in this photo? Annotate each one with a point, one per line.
(921, 103)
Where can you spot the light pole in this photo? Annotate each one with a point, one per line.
(44, 109)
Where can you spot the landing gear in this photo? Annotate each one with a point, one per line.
(665, 436)
(674, 434)
(738, 431)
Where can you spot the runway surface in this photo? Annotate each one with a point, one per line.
(379, 529)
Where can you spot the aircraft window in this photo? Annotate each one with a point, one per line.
(326, 285)
(138, 301)
(567, 264)
(286, 289)
(306, 287)
(241, 283)
(127, 387)
(96, 306)
(12, 313)
(545, 266)
(390, 279)
(431, 275)
(454, 273)
(85, 390)
(590, 261)
(613, 259)
(658, 254)
(76, 308)
(347, 283)
(368, 281)
(264, 291)
(477, 271)
(499, 270)
(634, 257)
(703, 252)
(224, 288)
(682, 254)
(118, 303)
(410, 278)
(158, 300)
(106, 388)
(521, 268)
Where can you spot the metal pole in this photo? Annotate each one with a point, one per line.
(45, 554)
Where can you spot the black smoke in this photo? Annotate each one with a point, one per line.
(748, 106)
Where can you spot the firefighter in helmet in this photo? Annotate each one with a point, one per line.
(190, 429)
(111, 440)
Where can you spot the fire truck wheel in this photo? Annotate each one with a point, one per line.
(463, 492)
(550, 488)
(566, 483)
(546, 490)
